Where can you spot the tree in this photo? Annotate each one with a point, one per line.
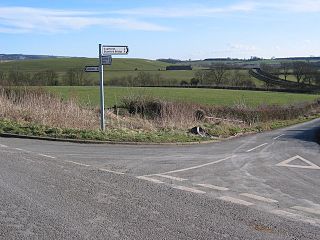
(299, 69)
(194, 82)
(218, 72)
(201, 75)
(75, 77)
(3, 77)
(285, 69)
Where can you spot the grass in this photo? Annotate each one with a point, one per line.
(34, 112)
(121, 67)
(113, 95)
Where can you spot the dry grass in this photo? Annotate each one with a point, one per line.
(39, 107)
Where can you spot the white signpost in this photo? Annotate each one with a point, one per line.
(105, 58)
(92, 69)
(114, 50)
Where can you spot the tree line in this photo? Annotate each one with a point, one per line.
(303, 72)
(72, 77)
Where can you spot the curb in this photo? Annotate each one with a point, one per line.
(10, 135)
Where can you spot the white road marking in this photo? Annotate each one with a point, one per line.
(308, 210)
(199, 166)
(259, 198)
(80, 164)
(213, 187)
(47, 156)
(110, 171)
(19, 149)
(3, 146)
(295, 216)
(236, 200)
(311, 165)
(150, 179)
(278, 137)
(252, 149)
(193, 190)
(171, 177)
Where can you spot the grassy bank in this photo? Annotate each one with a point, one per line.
(34, 112)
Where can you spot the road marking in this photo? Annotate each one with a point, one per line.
(278, 137)
(110, 171)
(195, 167)
(3, 146)
(236, 200)
(19, 149)
(252, 149)
(213, 187)
(308, 210)
(295, 216)
(47, 156)
(171, 177)
(193, 190)
(150, 179)
(311, 165)
(259, 198)
(80, 164)
(285, 213)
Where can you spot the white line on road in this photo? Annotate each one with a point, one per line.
(183, 188)
(259, 198)
(252, 149)
(199, 166)
(278, 137)
(149, 179)
(110, 171)
(236, 201)
(47, 156)
(171, 177)
(80, 164)
(213, 187)
(308, 210)
(19, 149)
(3, 146)
(295, 216)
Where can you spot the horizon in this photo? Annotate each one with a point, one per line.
(181, 30)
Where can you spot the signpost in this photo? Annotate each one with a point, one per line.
(114, 50)
(92, 69)
(105, 58)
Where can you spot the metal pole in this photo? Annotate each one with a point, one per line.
(102, 120)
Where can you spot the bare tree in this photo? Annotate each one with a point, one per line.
(218, 73)
(299, 69)
(285, 69)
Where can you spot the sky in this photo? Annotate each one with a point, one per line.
(180, 29)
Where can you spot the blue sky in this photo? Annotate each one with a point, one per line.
(189, 29)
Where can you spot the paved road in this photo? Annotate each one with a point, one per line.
(264, 186)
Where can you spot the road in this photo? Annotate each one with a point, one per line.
(262, 186)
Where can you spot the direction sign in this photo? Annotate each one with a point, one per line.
(106, 60)
(114, 50)
(92, 69)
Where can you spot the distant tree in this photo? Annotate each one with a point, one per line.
(201, 75)
(194, 82)
(217, 73)
(184, 83)
(143, 79)
(285, 69)
(299, 69)
(74, 77)
(51, 78)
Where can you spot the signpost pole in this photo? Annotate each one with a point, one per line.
(102, 121)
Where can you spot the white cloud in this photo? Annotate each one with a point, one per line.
(23, 19)
(187, 11)
(242, 47)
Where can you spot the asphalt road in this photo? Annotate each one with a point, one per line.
(263, 186)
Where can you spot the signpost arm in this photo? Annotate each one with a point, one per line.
(102, 121)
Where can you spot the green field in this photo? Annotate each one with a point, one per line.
(121, 67)
(113, 95)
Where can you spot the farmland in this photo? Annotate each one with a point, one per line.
(113, 95)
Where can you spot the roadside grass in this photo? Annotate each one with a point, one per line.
(34, 112)
(217, 97)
